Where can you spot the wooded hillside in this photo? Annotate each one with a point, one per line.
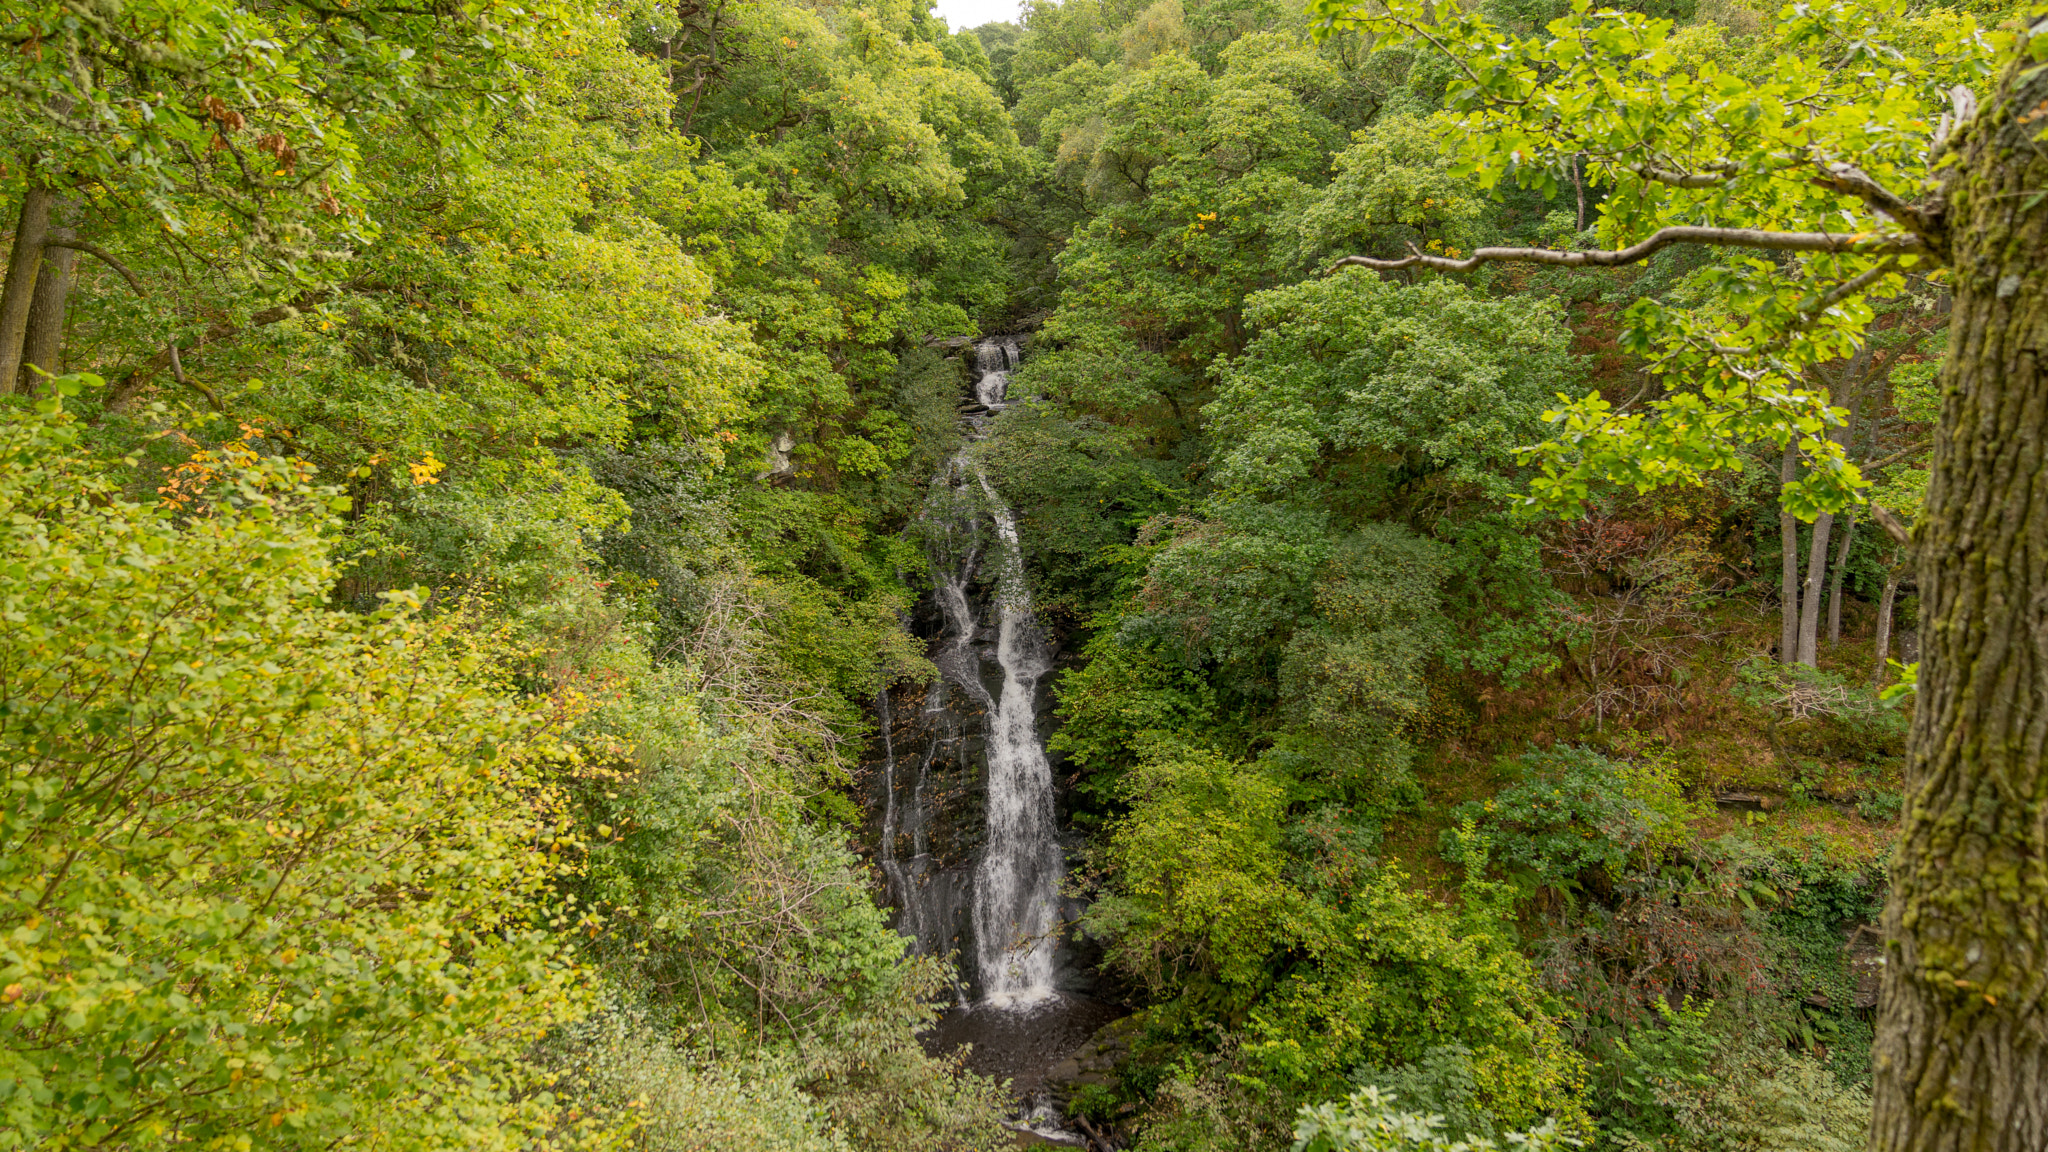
(1511, 535)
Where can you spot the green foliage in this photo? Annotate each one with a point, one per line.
(633, 332)
(215, 787)
(546, 303)
(1660, 1063)
(1441, 1084)
(1394, 187)
(1396, 974)
(1370, 1121)
(1356, 676)
(1200, 862)
(1125, 698)
(679, 1100)
(1685, 1088)
(1432, 385)
(219, 117)
(1674, 135)
(1577, 810)
(1232, 594)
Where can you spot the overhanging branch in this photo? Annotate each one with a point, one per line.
(104, 257)
(1924, 219)
(1891, 524)
(1865, 243)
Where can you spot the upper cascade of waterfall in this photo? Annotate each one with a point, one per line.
(995, 357)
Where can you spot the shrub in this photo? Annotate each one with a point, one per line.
(1370, 1122)
(1684, 1088)
(274, 874)
(1577, 810)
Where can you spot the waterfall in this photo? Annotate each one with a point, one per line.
(1016, 887)
(1009, 905)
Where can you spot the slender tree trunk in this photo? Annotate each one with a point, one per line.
(1579, 183)
(1961, 1060)
(1788, 547)
(43, 345)
(1835, 583)
(1884, 624)
(1809, 600)
(30, 230)
(1841, 395)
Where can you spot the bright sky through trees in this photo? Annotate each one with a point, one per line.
(961, 14)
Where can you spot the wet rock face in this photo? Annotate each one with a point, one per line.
(929, 800)
(1094, 1061)
(930, 761)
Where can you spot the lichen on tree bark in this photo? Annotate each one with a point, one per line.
(1962, 1056)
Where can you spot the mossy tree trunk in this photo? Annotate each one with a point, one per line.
(1962, 1052)
(25, 259)
(42, 345)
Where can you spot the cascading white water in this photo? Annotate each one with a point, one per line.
(1016, 887)
(1013, 898)
(970, 844)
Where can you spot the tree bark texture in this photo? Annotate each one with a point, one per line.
(1809, 600)
(1788, 547)
(1884, 623)
(1961, 1062)
(1835, 582)
(43, 344)
(31, 228)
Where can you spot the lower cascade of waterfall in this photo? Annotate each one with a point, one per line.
(969, 841)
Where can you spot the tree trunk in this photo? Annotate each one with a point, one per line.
(1809, 600)
(1835, 585)
(1841, 395)
(1788, 547)
(1884, 623)
(1961, 1060)
(30, 230)
(43, 345)
(1579, 183)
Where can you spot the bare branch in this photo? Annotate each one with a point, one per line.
(1893, 527)
(178, 373)
(1859, 242)
(105, 257)
(1717, 175)
(1912, 449)
(1924, 220)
